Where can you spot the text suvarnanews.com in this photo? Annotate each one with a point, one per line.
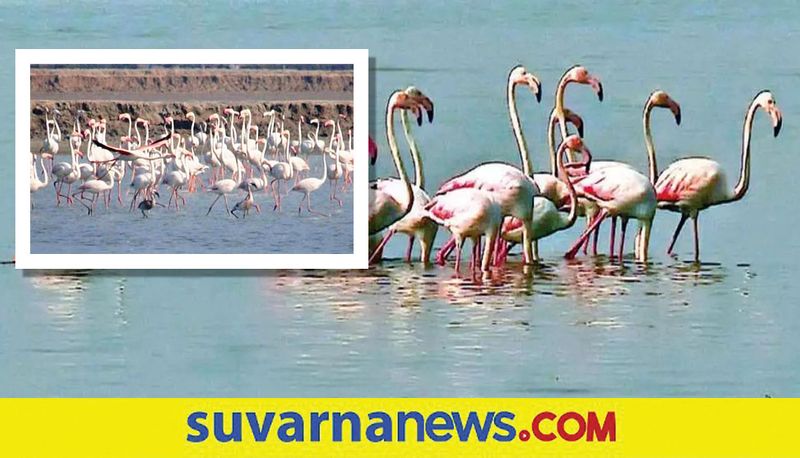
(400, 426)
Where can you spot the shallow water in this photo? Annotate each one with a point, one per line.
(69, 229)
(585, 328)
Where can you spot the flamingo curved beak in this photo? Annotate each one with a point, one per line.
(597, 85)
(777, 120)
(535, 86)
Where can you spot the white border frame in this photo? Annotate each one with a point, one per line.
(27, 260)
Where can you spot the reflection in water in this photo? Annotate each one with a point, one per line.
(590, 281)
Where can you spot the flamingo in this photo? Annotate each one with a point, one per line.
(308, 185)
(225, 186)
(551, 189)
(547, 218)
(513, 189)
(693, 184)
(385, 208)
(67, 172)
(657, 98)
(245, 204)
(281, 172)
(36, 183)
(468, 213)
(299, 165)
(373, 151)
(575, 74)
(148, 204)
(95, 187)
(617, 191)
(53, 136)
(415, 224)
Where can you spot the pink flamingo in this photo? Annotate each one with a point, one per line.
(469, 213)
(657, 98)
(693, 184)
(617, 191)
(387, 206)
(575, 74)
(511, 188)
(416, 223)
(547, 217)
(553, 191)
(373, 151)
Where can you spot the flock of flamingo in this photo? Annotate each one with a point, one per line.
(508, 205)
(225, 147)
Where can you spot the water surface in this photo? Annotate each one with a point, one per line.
(726, 327)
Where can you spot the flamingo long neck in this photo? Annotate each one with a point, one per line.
(398, 161)
(559, 106)
(569, 220)
(47, 125)
(191, 128)
(44, 172)
(130, 126)
(648, 141)
(551, 141)
(744, 173)
(138, 135)
(515, 126)
(57, 128)
(419, 176)
(325, 165)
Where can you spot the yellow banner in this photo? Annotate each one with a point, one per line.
(175, 428)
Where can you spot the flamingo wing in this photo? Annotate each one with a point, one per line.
(132, 152)
(687, 179)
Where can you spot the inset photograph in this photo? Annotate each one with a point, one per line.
(185, 159)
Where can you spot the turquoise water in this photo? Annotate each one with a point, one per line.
(586, 328)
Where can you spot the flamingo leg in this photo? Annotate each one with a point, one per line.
(225, 199)
(445, 250)
(491, 243)
(696, 238)
(612, 238)
(410, 247)
(622, 238)
(527, 240)
(209, 208)
(684, 217)
(458, 255)
(573, 250)
(376, 254)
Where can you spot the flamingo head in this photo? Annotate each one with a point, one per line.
(422, 101)
(261, 141)
(124, 117)
(575, 143)
(86, 133)
(190, 115)
(314, 121)
(373, 151)
(168, 119)
(574, 119)
(213, 117)
(579, 74)
(91, 122)
(519, 75)
(766, 101)
(662, 99)
(329, 123)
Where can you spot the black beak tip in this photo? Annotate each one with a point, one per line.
(419, 118)
(777, 128)
(600, 91)
(539, 95)
(373, 160)
(678, 119)
(580, 130)
(430, 115)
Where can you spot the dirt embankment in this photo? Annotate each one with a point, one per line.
(150, 94)
(187, 81)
